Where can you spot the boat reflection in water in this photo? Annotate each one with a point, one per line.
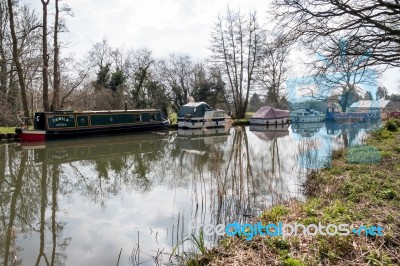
(83, 149)
(335, 128)
(352, 133)
(199, 141)
(270, 132)
(306, 129)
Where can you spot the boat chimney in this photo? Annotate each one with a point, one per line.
(126, 107)
(190, 99)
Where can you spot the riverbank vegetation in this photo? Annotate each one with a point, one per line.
(5, 130)
(362, 187)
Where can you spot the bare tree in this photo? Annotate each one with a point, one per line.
(177, 73)
(15, 53)
(74, 76)
(139, 71)
(236, 44)
(45, 57)
(344, 75)
(273, 69)
(100, 54)
(375, 23)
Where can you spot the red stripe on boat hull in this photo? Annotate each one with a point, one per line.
(26, 136)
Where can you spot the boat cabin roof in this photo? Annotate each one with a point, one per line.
(195, 104)
(102, 111)
(195, 109)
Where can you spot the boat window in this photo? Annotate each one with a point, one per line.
(153, 117)
(186, 110)
(145, 117)
(137, 118)
(193, 111)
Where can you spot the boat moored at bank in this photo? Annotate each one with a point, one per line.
(200, 115)
(306, 116)
(70, 124)
(267, 115)
(332, 115)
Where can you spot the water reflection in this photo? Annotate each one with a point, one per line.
(318, 141)
(350, 133)
(270, 132)
(80, 202)
(307, 129)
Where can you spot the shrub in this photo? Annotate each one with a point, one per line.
(392, 125)
(382, 133)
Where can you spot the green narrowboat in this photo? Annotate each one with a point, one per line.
(70, 124)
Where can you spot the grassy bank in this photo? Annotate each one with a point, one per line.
(361, 188)
(5, 130)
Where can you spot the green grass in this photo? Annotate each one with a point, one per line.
(5, 130)
(249, 114)
(362, 187)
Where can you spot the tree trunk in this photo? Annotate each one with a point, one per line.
(18, 65)
(45, 68)
(3, 58)
(3, 71)
(56, 72)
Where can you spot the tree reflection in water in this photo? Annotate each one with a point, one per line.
(24, 201)
(211, 177)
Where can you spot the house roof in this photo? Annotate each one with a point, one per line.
(370, 104)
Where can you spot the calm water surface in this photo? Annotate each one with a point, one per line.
(91, 201)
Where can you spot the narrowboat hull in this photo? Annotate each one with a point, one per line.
(70, 125)
(352, 117)
(333, 116)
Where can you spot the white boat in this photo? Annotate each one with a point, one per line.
(267, 115)
(200, 115)
(306, 116)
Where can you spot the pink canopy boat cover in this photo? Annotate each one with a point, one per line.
(268, 112)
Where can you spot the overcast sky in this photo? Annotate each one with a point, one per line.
(163, 26)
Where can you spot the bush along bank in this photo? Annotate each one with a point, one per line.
(361, 189)
(7, 134)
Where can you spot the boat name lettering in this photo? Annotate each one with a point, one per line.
(61, 125)
(61, 118)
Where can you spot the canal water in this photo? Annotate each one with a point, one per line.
(135, 199)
